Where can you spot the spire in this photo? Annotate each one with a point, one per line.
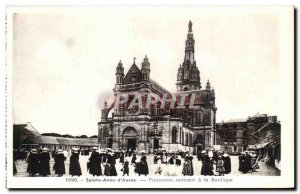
(145, 69)
(208, 85)
(190, 26)
(145, 63)
(189, 45)
(188, 77)
(120, 68)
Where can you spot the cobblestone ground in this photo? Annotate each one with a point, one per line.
(263, 171)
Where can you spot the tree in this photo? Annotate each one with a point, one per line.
(51, 134)
(83, 136)
(94, 136)
(67, 135)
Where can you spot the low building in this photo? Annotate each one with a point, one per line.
(256, 132)
(21, 132)
(26, 136)
(55, 143)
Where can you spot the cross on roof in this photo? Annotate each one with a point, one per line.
(134, 58)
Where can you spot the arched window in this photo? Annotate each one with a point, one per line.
(174, 135)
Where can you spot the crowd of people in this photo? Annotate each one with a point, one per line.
(248, 161)
(103, 162)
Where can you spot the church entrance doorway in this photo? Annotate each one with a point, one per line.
(130, 138)
(131, 144)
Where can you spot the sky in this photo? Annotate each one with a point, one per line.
(64, 61)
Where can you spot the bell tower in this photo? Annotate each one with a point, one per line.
(145, 69)
(119, 73)
(188, 77)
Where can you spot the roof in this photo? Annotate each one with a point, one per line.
(241, 120)
(201, 97)
(41, 140)
(26, 129)
(61, 141)
(134, 70)
(259, 115)
(268, 125)
(158, 87)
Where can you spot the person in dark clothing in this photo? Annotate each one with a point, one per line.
(74, 168)
(122, 156)
(112, 164)
(186, 170)
(248, 161)
(143, 166)
(95, 163)
(206, 168)
(86, 152)
(126, 167)
(53, 153)
(33, 163)
(130, 152)
(227, 163)
(243, 163)
(14, 159)
(220, 165)
(189, 157)
(155, 158)
(59, 165)
(133, 160)
(178, 161)
(44, 162)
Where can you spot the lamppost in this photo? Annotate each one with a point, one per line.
(155, 133)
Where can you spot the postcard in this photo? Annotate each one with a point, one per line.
(150, 97)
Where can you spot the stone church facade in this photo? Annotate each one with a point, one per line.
(153, 127)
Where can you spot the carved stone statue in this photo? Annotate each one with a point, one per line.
(190, 26)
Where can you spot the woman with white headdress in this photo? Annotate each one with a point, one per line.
(206, 169)
(112, 162)
(143, 167)
(227, 163)
(59, 165)
(158, 165)
(44, 162)
(171, 167)
(243, 163)
(33, 163)
(75, 169)
(95, 163)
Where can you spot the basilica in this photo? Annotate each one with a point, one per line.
(177, 127)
